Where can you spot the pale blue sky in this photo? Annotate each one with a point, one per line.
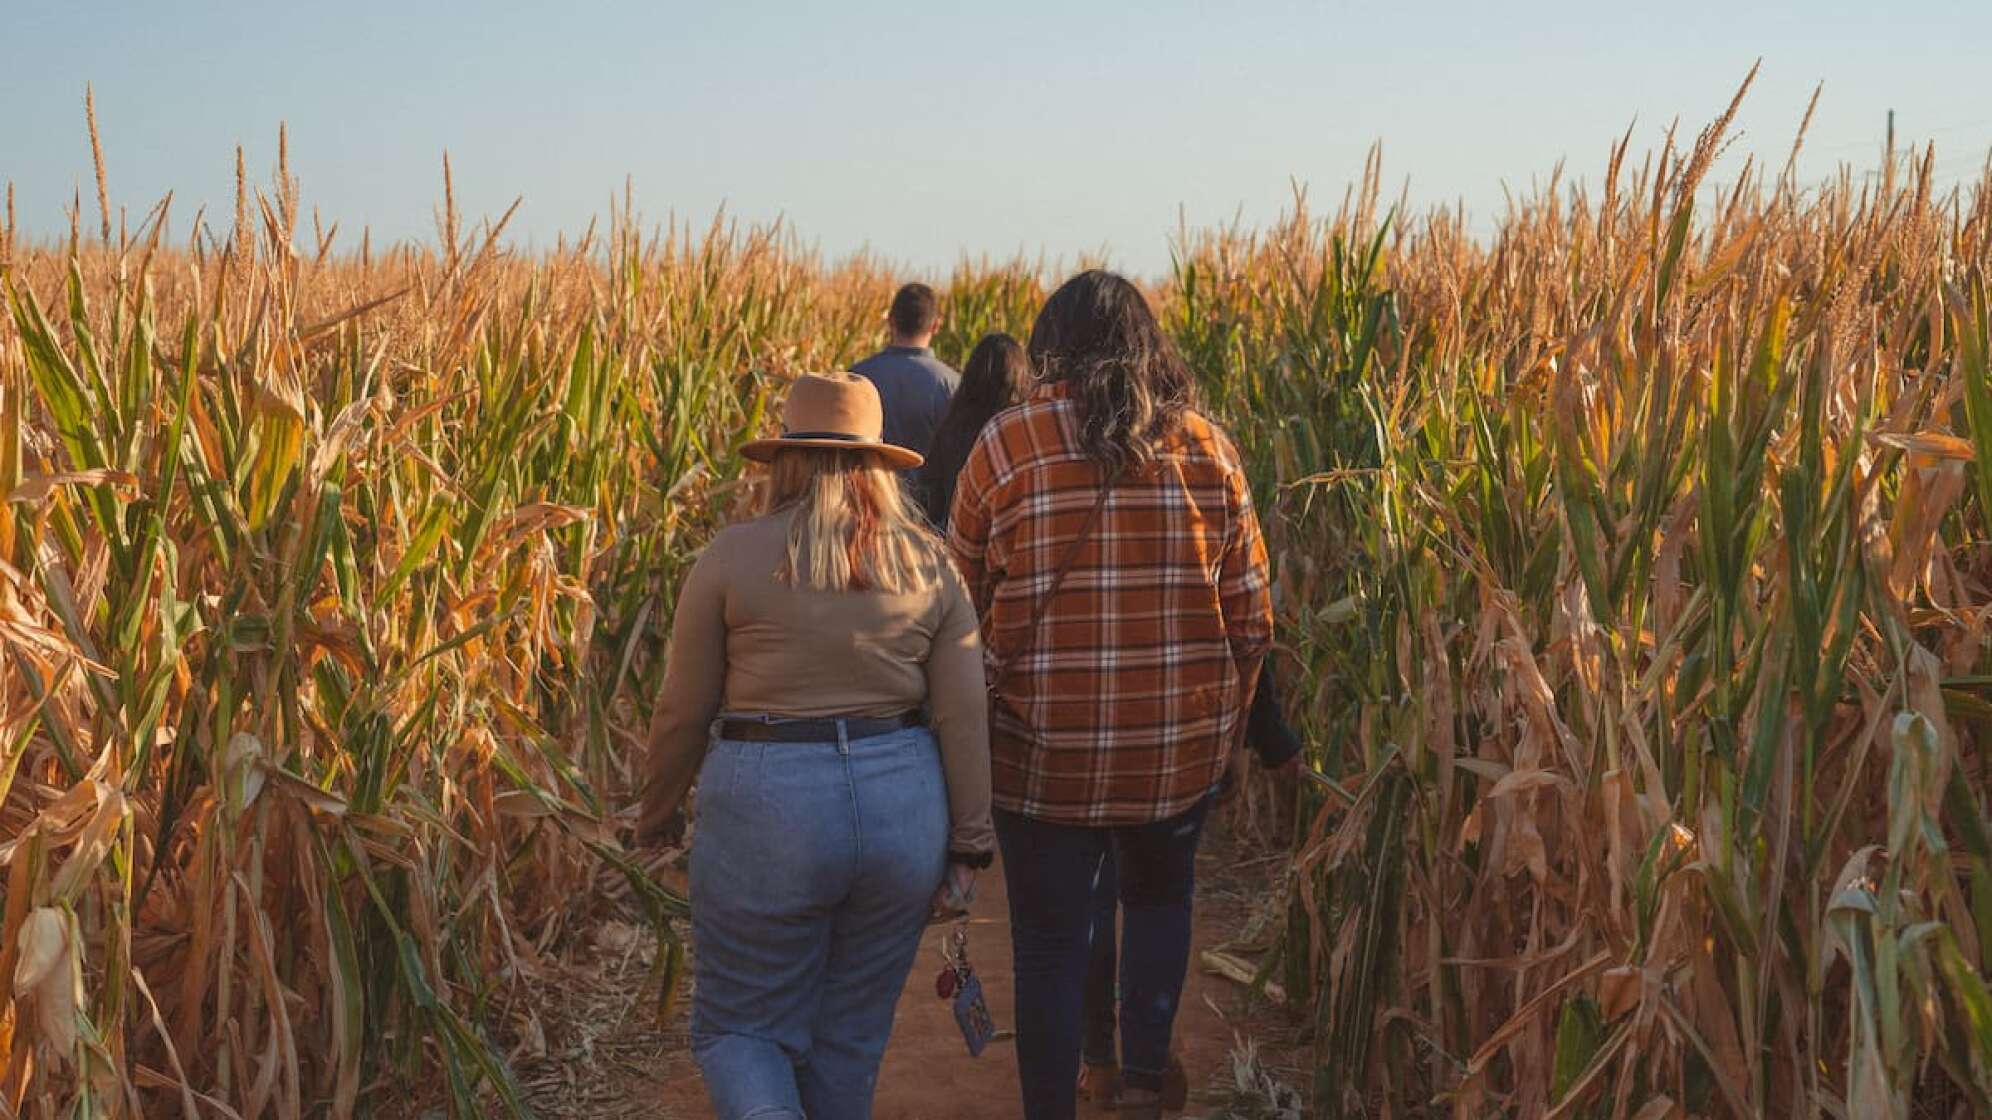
(926, 131)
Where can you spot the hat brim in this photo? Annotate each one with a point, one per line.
(894, 456)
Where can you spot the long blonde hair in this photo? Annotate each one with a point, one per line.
(852, 528)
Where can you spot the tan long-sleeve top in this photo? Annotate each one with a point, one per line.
(744, 643)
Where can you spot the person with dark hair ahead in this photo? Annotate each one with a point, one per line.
(1106, 534)
(913, 385)
(995, 378)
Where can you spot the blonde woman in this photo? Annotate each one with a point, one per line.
(824, 685)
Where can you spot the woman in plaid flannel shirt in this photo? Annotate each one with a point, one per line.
(1106, 534)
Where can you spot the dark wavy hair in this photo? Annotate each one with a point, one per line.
(996, 376)
(1098, 336)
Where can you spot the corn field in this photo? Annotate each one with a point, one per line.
(1634, 568)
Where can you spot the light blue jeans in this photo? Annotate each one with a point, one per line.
(813, 868)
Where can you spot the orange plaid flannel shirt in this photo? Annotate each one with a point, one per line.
(1125, 706)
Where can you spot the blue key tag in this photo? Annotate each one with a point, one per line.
(971, 1010)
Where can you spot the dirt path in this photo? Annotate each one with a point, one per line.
(611, 1064)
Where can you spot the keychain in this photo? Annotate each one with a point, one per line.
(958, 981)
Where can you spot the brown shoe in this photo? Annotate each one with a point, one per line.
(1140, 1104)
(1099, 1085)
(1175, 1092)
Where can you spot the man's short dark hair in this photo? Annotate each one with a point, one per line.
(915, 310)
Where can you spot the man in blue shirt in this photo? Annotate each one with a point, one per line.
(913, 385)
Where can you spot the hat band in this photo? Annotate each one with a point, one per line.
(847, 437)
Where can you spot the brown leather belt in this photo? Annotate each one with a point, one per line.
(775, 729)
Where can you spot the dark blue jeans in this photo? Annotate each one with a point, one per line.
(1270, 737)
(1050, 871)
(1102, 998)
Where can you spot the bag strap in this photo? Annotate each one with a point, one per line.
(1057, 580)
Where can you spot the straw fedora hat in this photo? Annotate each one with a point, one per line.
(837, 412)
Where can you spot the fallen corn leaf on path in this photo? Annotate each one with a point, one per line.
(635, 1071)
